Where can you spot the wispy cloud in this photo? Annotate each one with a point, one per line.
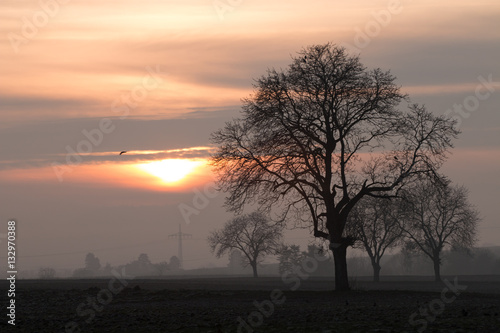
(37, 144)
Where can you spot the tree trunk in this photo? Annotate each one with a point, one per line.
(340, 259)
(437, 269)
(376, 271)
(254, 268)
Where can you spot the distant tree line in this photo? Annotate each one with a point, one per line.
(292, 259)
(142, 266)
(479, 261)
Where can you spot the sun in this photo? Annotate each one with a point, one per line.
(171, 170)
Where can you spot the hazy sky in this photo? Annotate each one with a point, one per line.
(83, 80)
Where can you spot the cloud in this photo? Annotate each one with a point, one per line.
(42, 143)
(31, 104)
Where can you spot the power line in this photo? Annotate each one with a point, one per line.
(180, 235)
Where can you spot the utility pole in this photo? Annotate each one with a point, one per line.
(180, 235)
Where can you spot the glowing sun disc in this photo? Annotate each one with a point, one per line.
(171, 170)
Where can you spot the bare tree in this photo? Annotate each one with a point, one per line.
(438, 215)
(289, 257)
(92, 263)
(319, 136)
(175, 263)
(161, 268)
(252, 234)
(144, 262)
(373, 222)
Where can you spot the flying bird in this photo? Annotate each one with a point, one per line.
(123, 152)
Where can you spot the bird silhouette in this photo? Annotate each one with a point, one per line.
(123, 152)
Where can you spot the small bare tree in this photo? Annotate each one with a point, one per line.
(373, 222)
(252, 234)
(161, 268)
(438, 215)
(175, 263)
(289, 256)
(92, 263)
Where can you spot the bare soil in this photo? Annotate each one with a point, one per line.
(223, 304)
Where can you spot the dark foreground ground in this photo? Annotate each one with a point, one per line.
(248, 305)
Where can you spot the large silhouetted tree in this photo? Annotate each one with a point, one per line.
(373, 223)
(322, 134)
(438, 215)
(253, 234)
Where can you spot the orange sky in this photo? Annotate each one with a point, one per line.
(89, 54)
(168, 73)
